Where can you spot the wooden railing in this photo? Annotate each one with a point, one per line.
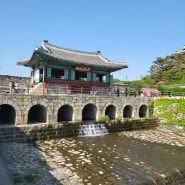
(64, 89)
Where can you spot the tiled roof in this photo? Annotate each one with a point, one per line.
(55, 53)
(23, 61)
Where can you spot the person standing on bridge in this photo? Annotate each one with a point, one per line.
(118, 91)
(10, 87)
(16, 87)
(13, 87)
(126, 92)
(94, 92)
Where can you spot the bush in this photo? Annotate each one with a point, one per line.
(105, 118)
(29, 178)
(176, 91)
(151, 109)
(43, 160)
(170, 111)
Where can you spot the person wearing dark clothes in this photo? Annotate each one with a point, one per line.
(118, 91)
(126, 92)
(169, 94)
(115, 92)
(139, 93)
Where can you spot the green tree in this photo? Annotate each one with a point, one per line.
(148, 81)
(115, 80)
(169, 69)
(157, 68)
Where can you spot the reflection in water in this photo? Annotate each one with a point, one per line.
(117, 159)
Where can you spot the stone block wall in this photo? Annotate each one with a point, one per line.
(23, 103)
(55, 131)
(71, 130)
(133, 124)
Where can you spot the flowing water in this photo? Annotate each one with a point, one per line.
(115, 159)
(92, 129)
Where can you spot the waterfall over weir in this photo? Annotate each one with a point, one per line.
(92, 129)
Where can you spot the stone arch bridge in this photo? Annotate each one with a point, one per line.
(30, 109)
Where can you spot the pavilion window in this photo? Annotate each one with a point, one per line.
(88, 76)
(107, 78)
(66, 74)
(100, 78)
(72, 75)
(58, 73)
(37, 75)
(104, 78)
(111, 80)
(80, 75)
(48, 72)
(41, 75)
(94, 77)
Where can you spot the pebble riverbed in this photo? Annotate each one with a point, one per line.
(125, 158)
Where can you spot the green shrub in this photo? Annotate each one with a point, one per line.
(43, 160)
(105, 118)
(176, 91)
(151, 109)
(170, 110)
(29, 178)
(18, 180)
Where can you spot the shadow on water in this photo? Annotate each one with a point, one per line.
(26, 163)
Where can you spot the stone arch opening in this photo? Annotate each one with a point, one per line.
(89, 112)
(7, 114)
(65, 113)
(111, 111)
(142, 111)
(37, 114)
(127, 112)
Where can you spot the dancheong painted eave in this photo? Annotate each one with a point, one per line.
(54, 53)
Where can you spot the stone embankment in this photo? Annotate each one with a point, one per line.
(40, 165)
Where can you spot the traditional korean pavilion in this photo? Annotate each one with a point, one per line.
(71, 70)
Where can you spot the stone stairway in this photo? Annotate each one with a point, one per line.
(13, 134)
(37, 89)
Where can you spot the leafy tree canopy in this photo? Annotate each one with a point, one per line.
(115, 80)
(170, 69)
(163, 71)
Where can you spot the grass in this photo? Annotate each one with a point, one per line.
(43, 160)
(27, 178)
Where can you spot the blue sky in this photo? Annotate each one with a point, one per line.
(132, 31)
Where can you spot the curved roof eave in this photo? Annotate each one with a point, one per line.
(89, 58)
(23, 61)
(71, 62)
(71, 57)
